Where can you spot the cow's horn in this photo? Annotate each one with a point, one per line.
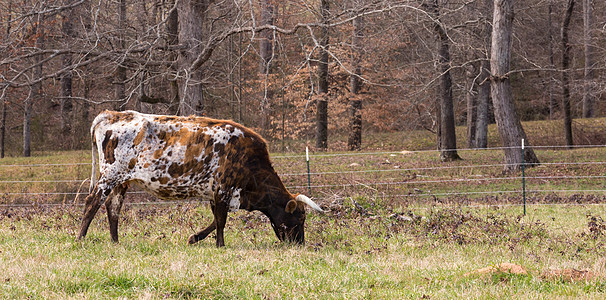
(308, 201)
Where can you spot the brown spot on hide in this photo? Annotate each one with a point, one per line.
(175, 170)
(192, 152)
(163, 180)
(132, 163)
(117, 116)
(158, 153)
(139, 137)
(109, 145)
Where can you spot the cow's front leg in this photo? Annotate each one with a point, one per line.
(91, 206)
(220, 213)
(113, 207)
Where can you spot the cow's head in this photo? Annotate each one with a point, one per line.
(289, 222)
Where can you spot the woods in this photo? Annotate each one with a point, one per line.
(298, 70)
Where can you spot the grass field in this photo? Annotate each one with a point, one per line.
(367, 246)
(347, 255)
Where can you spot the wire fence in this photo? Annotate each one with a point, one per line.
(396, 176)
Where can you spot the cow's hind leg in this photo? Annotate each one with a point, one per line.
(113, 207)
(91, 206)
(194, 238)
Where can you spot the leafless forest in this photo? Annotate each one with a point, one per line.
(301, 69)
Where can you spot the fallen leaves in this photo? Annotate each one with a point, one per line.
(507, 268)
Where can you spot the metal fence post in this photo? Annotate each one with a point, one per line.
(523, 177)
(308, 176)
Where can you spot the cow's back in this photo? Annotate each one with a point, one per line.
(179, 157)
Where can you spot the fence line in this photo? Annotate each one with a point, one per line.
(435, 168)
(46, 165)
(492, 193)
(364, 181)
(363, 171)
(352, 184)
(43, 181)
(447, 180)
(506, 205)
(435, 150)
(412, 194)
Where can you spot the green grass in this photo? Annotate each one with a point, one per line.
(347, 255)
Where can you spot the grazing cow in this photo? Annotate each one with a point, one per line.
(181, 157)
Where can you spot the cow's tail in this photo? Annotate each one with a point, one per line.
(93, 177)
(95, 153)
(309, 202)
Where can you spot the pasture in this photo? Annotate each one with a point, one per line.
(398, 225)
(347, 254)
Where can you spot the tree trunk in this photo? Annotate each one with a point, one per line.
(172, 32)
(354, 142)
(120, 79)
(3, 128)
(35, 91)
(552, 99)
(481, 138)
(565, 74)
(266, 53)
(322, 105)
(192, 14)
(470, 98)
(27, 121)
(66, 106)
(448, 141)
(266, 37)
(508, 123)
(588, 98)
(4, 101)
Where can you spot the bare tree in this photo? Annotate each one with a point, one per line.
(447, 137)
(470, 99)
(9, 21)
(192, 14)
(508, 123)
(565, 73)
(481, 134)
(589, 49)
(354, 142)
(120, 77)
(266, 37)
(35, 90)
(552, 99)
(65, 102)
(266, 55)
(322, 103)
(172, 39)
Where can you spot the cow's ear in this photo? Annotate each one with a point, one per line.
(291, 206)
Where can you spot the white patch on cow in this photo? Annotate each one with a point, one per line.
(234, 203)
(222, 135)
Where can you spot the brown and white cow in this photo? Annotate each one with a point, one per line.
(182, 157)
